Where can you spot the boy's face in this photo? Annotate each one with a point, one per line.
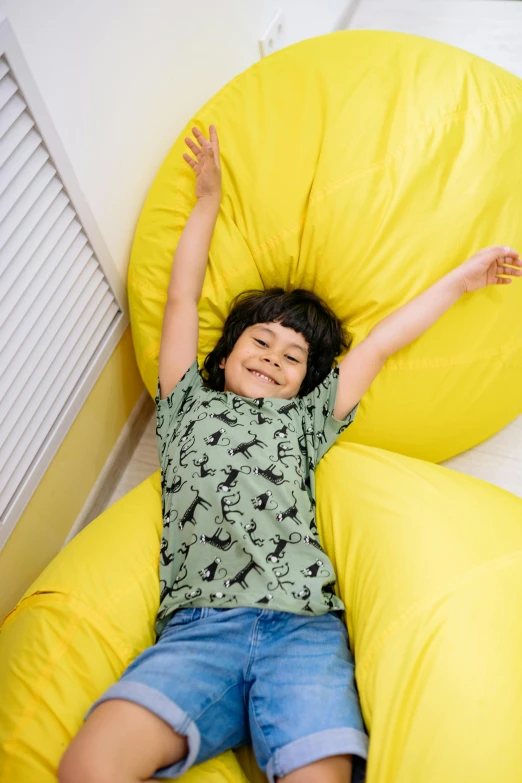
(272, 350)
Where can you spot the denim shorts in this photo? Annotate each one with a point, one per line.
(225, 678)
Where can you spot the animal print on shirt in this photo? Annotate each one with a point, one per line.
(238, 498)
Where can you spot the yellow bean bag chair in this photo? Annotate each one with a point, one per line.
(430, 569)
(363, 165)
(77, 628)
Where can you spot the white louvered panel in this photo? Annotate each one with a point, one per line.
(27, 175)
(32, 202)
(28, 213)
(36, 354)
(11, 113)
(26, 300)
(42, 306)
(58, 314)
(38, 221)
(7, 89)
(10, 255)
(31, 399)
(20, 155)
(22, 279)
(53, 375)
(16, 133)
(87, 342)
(32, 394)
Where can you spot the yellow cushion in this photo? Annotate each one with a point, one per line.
(364, 165)
(429, 565)
(88, 615)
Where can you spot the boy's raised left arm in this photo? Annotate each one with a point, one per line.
(362, 364)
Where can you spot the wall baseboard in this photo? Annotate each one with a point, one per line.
(114, 468)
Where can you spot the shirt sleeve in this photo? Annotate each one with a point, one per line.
(322, 428)
(171, 409)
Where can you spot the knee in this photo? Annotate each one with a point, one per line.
(79, 765)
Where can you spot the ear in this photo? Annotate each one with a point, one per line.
(222, 364)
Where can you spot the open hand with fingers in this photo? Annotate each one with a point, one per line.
(206, 165)
(483, 268)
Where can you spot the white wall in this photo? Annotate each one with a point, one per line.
(121, 78)
(491, 29)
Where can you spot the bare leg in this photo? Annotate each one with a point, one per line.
(120, 742)
(333, 769)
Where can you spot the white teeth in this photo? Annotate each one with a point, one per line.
(262, 376)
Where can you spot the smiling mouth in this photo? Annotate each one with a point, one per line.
(262, 377)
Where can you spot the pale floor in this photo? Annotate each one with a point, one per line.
(491, 29)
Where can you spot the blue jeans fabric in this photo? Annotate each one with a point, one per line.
(230, 677)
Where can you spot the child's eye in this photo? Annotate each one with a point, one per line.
(265, 345)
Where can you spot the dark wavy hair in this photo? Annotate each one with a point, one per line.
(300, 310)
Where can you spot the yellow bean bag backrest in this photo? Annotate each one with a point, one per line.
(429, 564)
(363, 165)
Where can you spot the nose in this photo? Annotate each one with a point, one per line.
(272, 360)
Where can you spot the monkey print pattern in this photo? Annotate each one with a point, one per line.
(209, 573)
(313, 570)
(238, 498)
(227, 511)
(262, 501)
(290, 512)
(232, 474)
(188, 516)
(270, 474)
(244, 448)
(201, 463)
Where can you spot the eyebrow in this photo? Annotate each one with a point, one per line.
(291, 345)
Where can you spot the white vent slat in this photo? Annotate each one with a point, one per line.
(28, 408)
(50, 381)
(10, 112)
(19, 157)
(27, 299)
(40, 221)
(39, 194)
(37, 246)
(14, 136)
(53, 313)
(29, 260)
(25, 177)
(22, 284)
(71, 375)
(32, 440)
(59, 317)
(48, 360)
(7, 89)
(30, 207)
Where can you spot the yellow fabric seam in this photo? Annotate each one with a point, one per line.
(261, 249)
(61, 649)
(59, 590)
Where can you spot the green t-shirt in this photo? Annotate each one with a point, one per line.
(237, 482)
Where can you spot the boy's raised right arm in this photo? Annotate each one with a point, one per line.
(179, 337)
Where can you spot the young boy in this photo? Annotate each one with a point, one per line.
(251, 643)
